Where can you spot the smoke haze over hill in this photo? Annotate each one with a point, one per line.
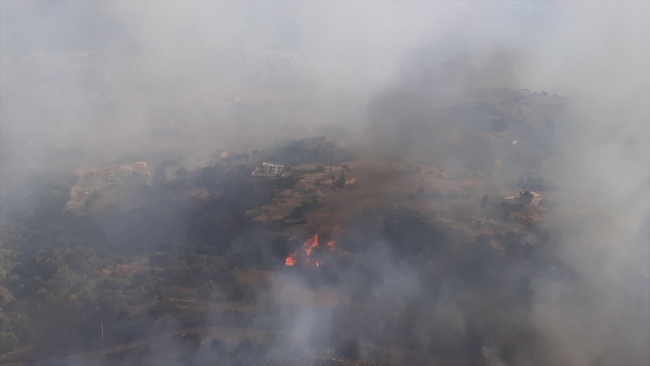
(557, 91)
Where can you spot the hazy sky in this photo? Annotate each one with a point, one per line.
(362, 42)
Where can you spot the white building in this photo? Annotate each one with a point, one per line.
(269, 169)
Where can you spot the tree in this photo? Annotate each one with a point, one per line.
(8, 341)
(484, 201)
(5, 296)
(340, 183)
(152, 285)
(211, 291)
(21, 326)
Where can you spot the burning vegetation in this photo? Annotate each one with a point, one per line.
(307, 254)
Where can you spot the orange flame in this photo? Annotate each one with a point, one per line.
(307, 248)
(291, 259)
(309, 262)
(310, 244)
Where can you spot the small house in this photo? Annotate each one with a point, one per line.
(142, 166)
(343, 180)
(530, 198)
(269, 169)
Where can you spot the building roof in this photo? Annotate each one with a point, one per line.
(531, 193)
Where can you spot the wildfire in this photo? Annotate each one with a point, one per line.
(305, 253)
(310, 244)
(291, 259)
(330, 245)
